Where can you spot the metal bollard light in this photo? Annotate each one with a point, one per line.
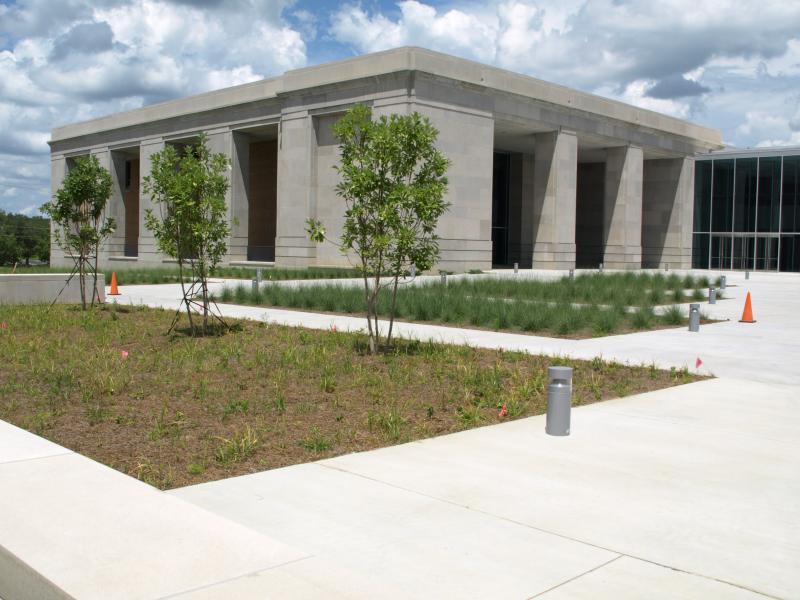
(571, 274)
(712, 296)
(601, 267)
(666, 266)
(259, 276)
(516, 268)
(723, 282)
(255, 286)
(413, 271)
(443, 277)
(559, 400)
(747, 274)
(694, 317)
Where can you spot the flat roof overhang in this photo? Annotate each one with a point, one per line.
(392, 61)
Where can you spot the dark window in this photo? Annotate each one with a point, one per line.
(744, 206)
(790, 216)
(702, 196)
(722, 198)
(790, 253)
(769, 193)
(127, 175)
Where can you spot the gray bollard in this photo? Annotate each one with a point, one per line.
(723, 282)
(600, 268)
(747, 274)
(712, 296)
(516, 268)
(413, 271)
(694, 317)
(571, 274)
(259, 276)
(443, 277)
(255, 286)
(559, 400)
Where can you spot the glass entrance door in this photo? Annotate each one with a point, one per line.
(721, 251)
(744, 252)
(767, 253)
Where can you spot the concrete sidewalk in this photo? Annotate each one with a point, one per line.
(688, 492)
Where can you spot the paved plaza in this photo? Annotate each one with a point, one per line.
(687, 492)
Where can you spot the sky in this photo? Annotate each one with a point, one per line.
(733, 65)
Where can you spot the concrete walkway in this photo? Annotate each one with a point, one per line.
(689, 492)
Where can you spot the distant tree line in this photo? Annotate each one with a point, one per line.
(23, 238)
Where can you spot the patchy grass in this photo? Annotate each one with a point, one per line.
(588, 306)
(178, 410)
(154, 275)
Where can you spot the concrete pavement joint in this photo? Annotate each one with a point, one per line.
(235, 578)
(549, 532)
(592, 570)
(19, 460)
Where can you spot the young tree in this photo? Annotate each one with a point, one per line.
(192, 225)
(393, 184)
(78, 213)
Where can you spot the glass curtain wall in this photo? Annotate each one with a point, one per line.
(747, 213)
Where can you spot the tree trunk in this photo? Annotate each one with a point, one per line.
(82, 279)
(393, 308)
(94, 282)
(369, 310)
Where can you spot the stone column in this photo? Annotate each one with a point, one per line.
(58, 170)
(115, 209)
(147, 248)
(554, 189)
(622, 208)
(296, 190)
(239, 194)
(667, 214)
(465, 229)
(220, 141)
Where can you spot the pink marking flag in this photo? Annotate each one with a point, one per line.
(697, 363)
(124, 354)
(3, 325)
(503, 412)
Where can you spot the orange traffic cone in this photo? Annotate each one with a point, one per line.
(747, 315)
(114, 291)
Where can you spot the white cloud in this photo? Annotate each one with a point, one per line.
(73, 60)
(705, 61)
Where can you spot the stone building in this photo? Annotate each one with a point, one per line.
(542, 175)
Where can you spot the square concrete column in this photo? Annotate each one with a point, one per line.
(554, 197)
(622, 208)
(296, 190)
(58, 171)
(239, 194)
(465, 229)
(667, 214)
(116, 204)
(147, 247)
(114, 208)
(220, 141)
